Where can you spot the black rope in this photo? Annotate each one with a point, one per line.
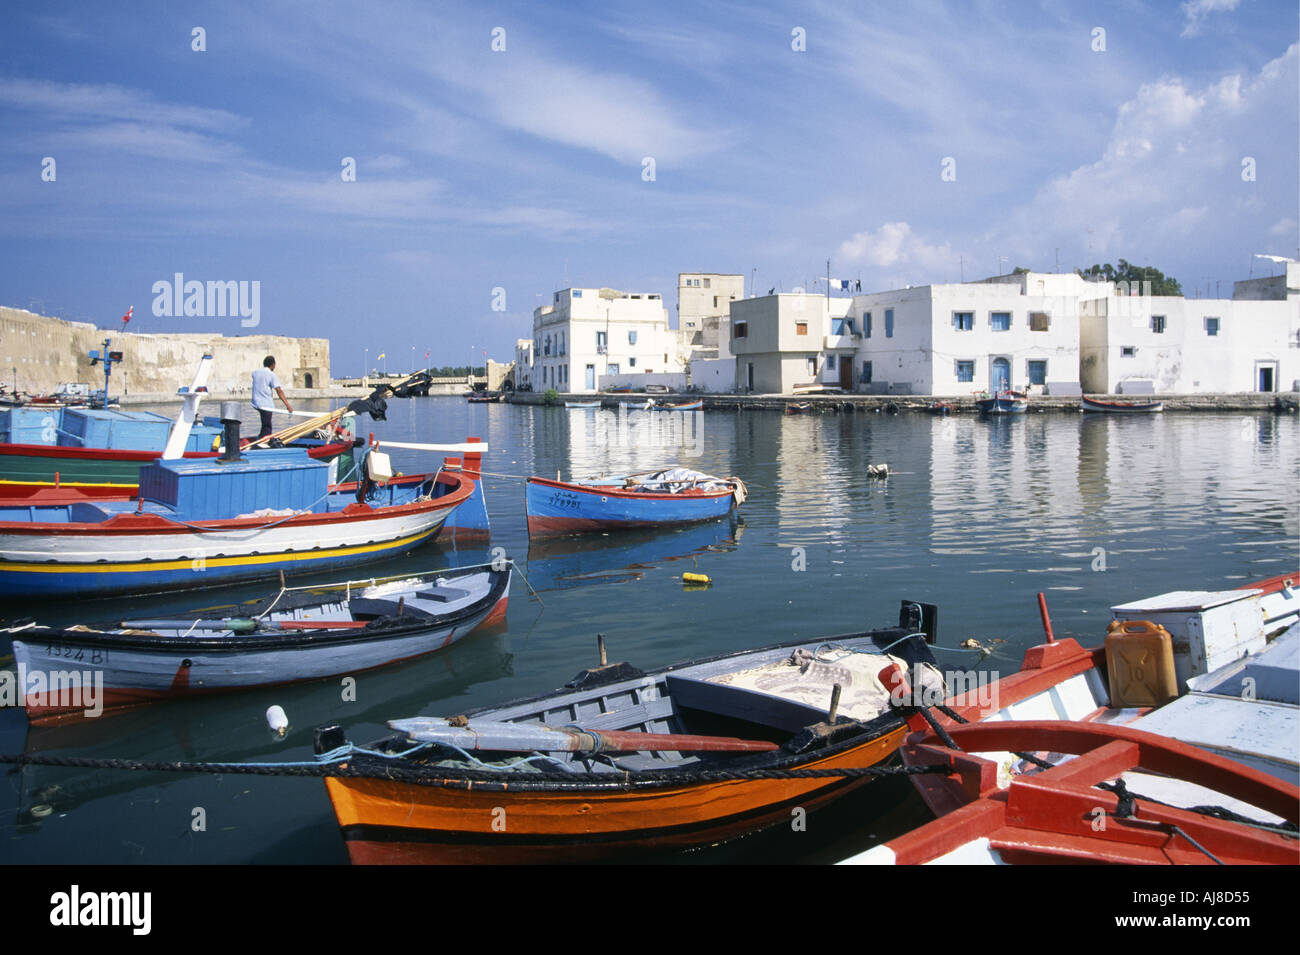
(1027, 757)
(393, 771)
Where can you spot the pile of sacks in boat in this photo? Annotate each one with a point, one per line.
(676, 480)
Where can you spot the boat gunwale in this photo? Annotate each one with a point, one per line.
(151, 523)
(603, 490)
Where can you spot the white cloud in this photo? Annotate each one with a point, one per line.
(1174, 161)
(1196, 11)
(103, 102)
(894, 245)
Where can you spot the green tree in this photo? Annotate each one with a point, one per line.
(1135, 275)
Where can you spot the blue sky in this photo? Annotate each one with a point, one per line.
(523, 168)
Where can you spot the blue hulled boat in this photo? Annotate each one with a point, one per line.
(660, 499)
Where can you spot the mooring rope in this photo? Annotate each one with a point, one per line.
(390, 770)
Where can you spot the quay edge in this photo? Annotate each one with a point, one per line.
(1249, 402)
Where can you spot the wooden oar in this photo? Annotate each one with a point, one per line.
(296, 431)
(244, 625)
(506, 737)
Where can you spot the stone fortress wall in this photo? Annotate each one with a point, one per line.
(40, 353)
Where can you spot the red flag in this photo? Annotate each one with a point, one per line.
(426, 354)
(127, 317)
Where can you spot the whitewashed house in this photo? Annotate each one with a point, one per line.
(523, 374)
(587, 338)
(704, 327)
(1143, 344)
(780, 340)
(1012, 331)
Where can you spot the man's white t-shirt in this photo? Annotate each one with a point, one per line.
(264, 385)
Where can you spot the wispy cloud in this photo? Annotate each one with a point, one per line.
(1195, 13)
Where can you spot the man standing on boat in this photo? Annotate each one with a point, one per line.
(264, 383)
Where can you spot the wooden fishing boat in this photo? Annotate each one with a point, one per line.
(627, 764)
(1079, 758)
(483, 397)
(1122, 407)
(942, 409)
(799, 407)
(1004, 402)
(200, 523)
(582, 404)
(651, 405)
(109, 470)
(656, 499)
(293, 635)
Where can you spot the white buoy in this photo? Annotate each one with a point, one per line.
(276, 720)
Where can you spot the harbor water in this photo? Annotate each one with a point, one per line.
(976, 516)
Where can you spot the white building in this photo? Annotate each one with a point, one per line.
(587, 334)
(1143, 344)
(1013, 331)
(780, 340)
(524, 364)
(703, 307)
(704, 327)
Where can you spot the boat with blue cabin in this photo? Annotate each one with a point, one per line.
(203, 523)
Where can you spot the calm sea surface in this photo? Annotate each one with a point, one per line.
(977, 517)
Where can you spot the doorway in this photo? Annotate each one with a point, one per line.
(1266, 376)
(999, 375)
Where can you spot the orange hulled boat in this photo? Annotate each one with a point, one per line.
(624, 764)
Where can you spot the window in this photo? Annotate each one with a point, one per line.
(866, 325)
(889, 323)
(715, 301)
(548, 345)
(740, 329)
(1211, 326)
(1128, 351)
(612, 369)
(706, 283)
(564, 374)
(866, 372)
(1158, 324)
(812, 367)
(801, 328)
(577, 293)
(600, 343)
(830, 362)
(1038, 372)
(1000, 321)
(1039, 321)
(631, 338)
(965, 370)
(561, 343)
(841, 326)
(963, 321)
(557, 298)
(631, 362)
